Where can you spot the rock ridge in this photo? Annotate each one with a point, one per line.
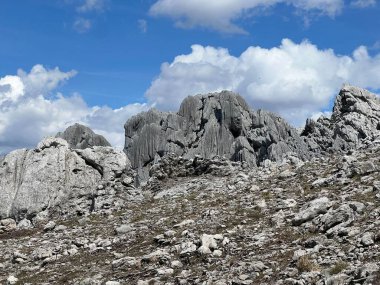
(215, 124)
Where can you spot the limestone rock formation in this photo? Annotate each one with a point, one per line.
(215, 222)
(355, 121)
(80, 137)
(52, 174)
(217, 124)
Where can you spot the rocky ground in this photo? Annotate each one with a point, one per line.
(215, 222)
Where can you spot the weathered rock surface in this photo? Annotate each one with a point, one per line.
(355, 121)
(283, 223)
(52, 176)
(80, 137)
(218, 124)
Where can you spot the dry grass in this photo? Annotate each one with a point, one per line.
(305, 264)
(338, 267)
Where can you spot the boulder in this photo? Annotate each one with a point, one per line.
(312, 210)
(53, 174)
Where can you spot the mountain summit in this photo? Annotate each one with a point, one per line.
(215, 124)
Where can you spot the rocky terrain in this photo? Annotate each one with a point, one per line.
(188, 205)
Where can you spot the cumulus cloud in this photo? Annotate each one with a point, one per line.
(30, 108)
(295, 80)
(42, 81)
(220, 14)
(363, 3)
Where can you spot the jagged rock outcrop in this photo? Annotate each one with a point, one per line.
(217, 124)
(355, 120)
(53, 175)
(80, 137)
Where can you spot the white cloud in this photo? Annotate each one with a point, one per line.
(92, 5)
(363, 3)
(11, 89)
(82, 25)
(220, 14)
(29, 110)
(294, 80)
(110, 122)
(42, 81)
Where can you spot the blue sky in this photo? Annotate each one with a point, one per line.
(107, 58)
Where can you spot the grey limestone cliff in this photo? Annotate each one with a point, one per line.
(216, 124)
(80, 137)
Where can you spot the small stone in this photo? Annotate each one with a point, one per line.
(125, 261)
(225, 241)
(286, 174)
(184, 223)
(81, 242)
(170, 233)
(367, 239)
(92, 247)
(72, 251)
(123, 229)
(7, 225)
(24, 224)
(165, 271)
(60, 228)
(243, 277)
(127, 181)
(176, 264)
(42, 253)
(299, 253)
(84, 221)
(49, 226)
(187, 248)
(208, 243)
(19, 257)
(113, 283)
(12, 280)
